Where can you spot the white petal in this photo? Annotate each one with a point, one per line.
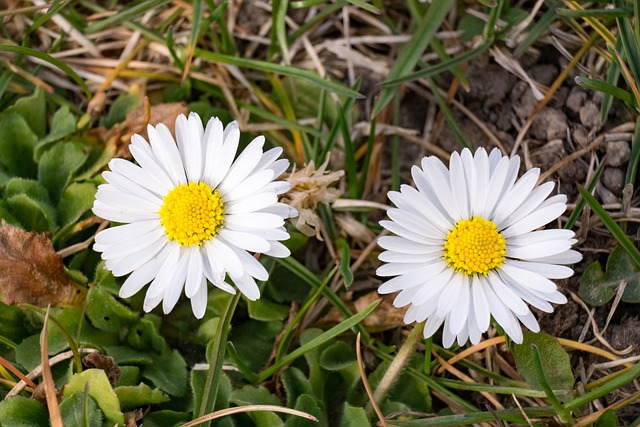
(450, 294)
(242, 167)
(528, 279)
(251, 266)
(480, 304)
(247, 286)
(166, 151)
(212, 141)
(140, 176)
(550, 271)
(434, 287)
(568, 257)
(460, 309)
(173, 291)
(249, 186)
(139, 278)
(247, 241)
(163, 279)
(278, 250)
(126, 265)
(195, 271)
(227, 154)
(537, 250)
(458, 184)
(402, 245)
(199, 301)
(517, 195)
(536, 219)
(251, 204)
(218, 252)
(189, 138)
(508, 297)
(254, 220)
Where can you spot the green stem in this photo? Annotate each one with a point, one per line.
(218, 351)
(397, 365)
(563, 413)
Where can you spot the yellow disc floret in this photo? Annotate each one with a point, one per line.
(192, 213)
(474, 246)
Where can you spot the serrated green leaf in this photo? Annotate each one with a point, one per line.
(140, 395)
(58, 165)
(606, 88)
(198, 381)
(72, 409)
(267, 311)
(76, 199)
(105, 313)
(168, 372)
(33, 214)
(145, 336)
(17, 142)
(555, 363)
(310, 405)
(598, 287)
(33, 110)
(63, 124)
(105, 279)
(20, 411)
(353, 416)
(30, 187)
(337, 356)
(100, 390)
(5, 214)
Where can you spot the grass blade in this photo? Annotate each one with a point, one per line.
(22, 50)
(614, 228)
(318, 341)
(278, 69)
(124, 15)
(635, 156)
(581, 203)
(411, 53)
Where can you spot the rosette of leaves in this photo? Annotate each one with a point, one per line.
(47, 171)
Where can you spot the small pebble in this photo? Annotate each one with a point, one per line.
(613, 179)
(590, 116)
(618, 153)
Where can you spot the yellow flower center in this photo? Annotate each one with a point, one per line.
(192, 213)
(474, 246)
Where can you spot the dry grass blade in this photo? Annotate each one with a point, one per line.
(249, 408)
(471, 350)
(47, 377)
(4, 362)
(367, 387)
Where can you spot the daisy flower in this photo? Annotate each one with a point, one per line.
(192, 213)
(467, 246)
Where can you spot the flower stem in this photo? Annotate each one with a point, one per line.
(398, 363)
(218, 351)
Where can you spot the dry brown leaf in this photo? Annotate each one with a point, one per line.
(32, 272)
(383, 318)
(160, 113)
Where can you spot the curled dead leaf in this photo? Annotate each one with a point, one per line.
(32, 271)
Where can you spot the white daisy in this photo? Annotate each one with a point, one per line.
(192, 213)
(466, 247)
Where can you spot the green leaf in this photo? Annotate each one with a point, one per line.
(555, 363)
(63, 124)
(129, 376)
(258, 395)
(337, 356)
(607, 419)
(6, 215)
(198, 381)
(412, 51)
(17, 142)
(30, 187)
(105, 279)
(78, 412)
(168, 372)
(144, 335)
(33, 110)
(295, 384)
(345, 262)
(76, 199)
(140, 395)
(119, 109)
(33, 214)
(100, 390)
(18, 411)
(58, 165)
(353, 416)
(310, 405)
(267, 311)
(105, 313)
(254, 340)
(166, 418)
(127, 355)
(598, 287)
